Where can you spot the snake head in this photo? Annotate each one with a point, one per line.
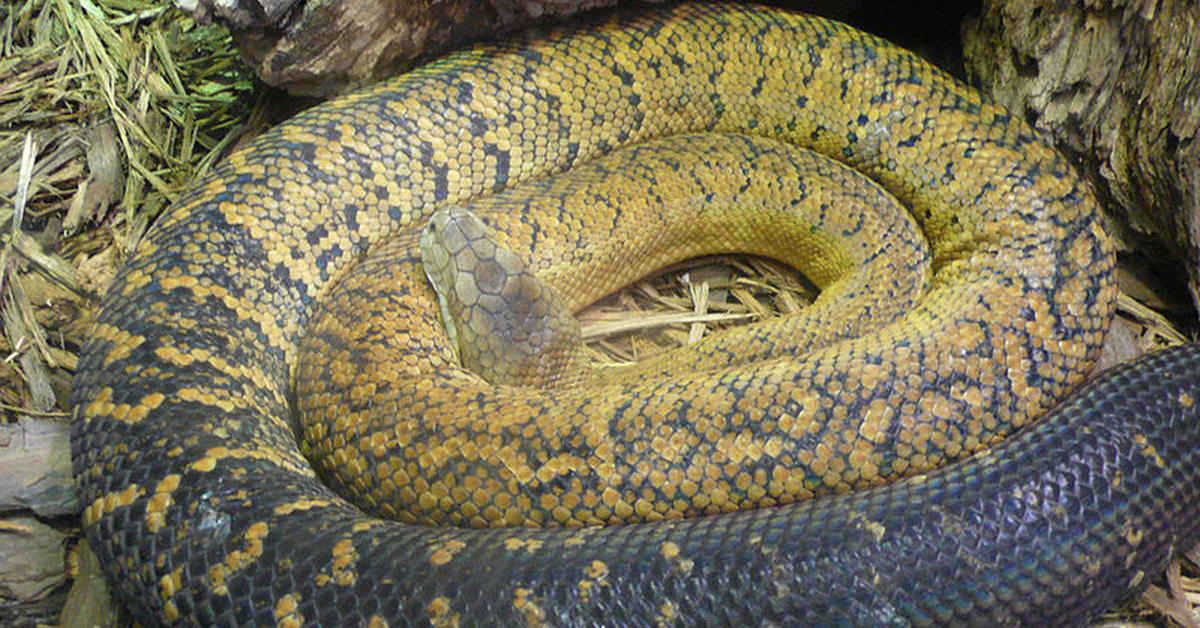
(505, 323)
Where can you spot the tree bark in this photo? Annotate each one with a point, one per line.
(35, 469)
(321, 47)
(1116, 83)
(31, 565)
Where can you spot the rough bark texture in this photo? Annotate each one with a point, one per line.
(320, 47)
(32, 569)
(35, 468)
(35, 479)
(1117, 84)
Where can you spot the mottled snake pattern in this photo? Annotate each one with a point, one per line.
(204, 509)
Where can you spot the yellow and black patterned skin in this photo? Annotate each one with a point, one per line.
(582, 234)
(203, 509)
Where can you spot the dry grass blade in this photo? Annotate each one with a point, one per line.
(48, 414)
(48, 264)
(24, 174)
(105, 104)
(28, 341)
(646, 322)
(682, 304)
(105, 179)
(108, 110)
(1161, 330)
(1171, 601)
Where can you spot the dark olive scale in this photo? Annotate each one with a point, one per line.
(401, 451)
(203, 510)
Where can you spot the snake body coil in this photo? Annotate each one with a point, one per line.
(203, 509)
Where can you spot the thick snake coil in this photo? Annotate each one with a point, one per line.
(204, 510)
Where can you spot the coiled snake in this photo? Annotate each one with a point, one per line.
(203, 508)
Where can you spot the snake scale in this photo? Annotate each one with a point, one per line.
(204, 509)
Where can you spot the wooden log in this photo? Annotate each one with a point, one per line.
(35, 468)
(322, 47)
(32, 560)
(1116, 83)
